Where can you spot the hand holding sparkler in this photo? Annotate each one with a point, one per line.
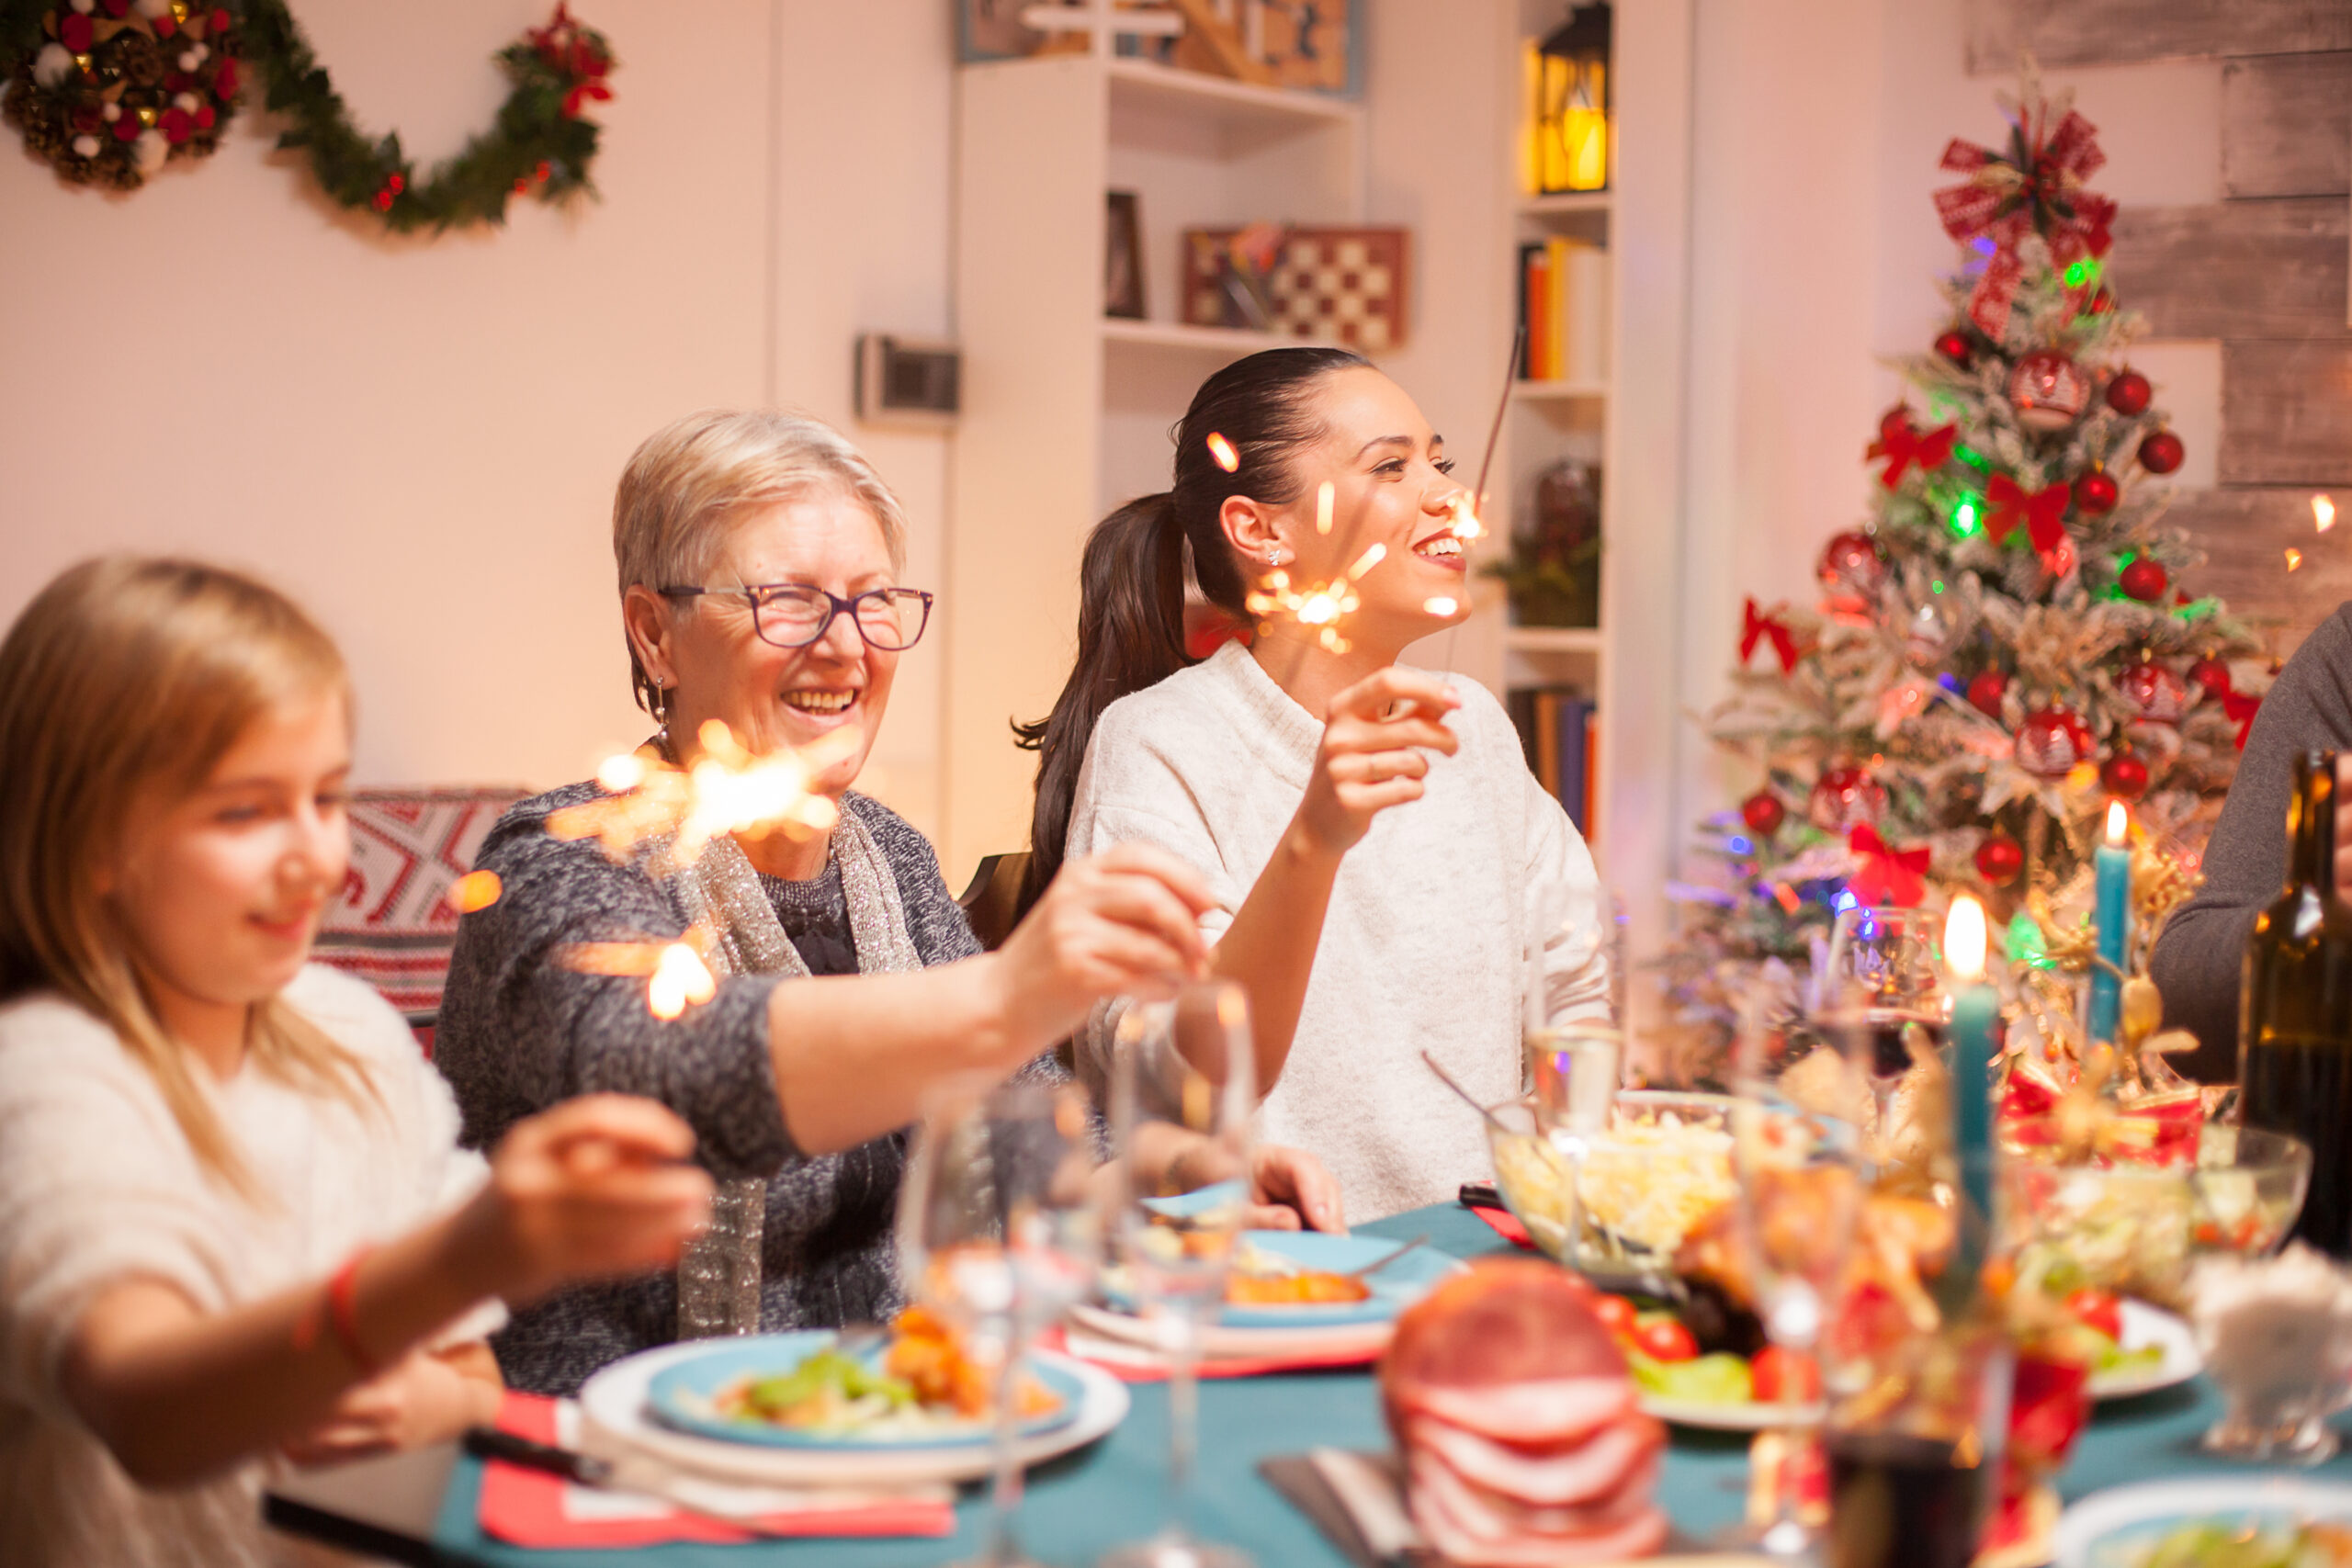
(1374, 755)
(1126, 922)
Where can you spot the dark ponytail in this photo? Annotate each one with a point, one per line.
(1131, 604)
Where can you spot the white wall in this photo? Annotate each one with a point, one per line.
(419, 437)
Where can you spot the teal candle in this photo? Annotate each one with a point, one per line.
(1975, 1008)
(2112, 911)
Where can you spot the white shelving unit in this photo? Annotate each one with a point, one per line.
(1067, 412)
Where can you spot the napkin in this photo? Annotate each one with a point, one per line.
(531, 1507)
(1505, 1223)
(1137, 1363)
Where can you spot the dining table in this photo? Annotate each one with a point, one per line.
(1114, 1490)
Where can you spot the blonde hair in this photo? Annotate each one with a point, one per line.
(121, 685)
(691, 480)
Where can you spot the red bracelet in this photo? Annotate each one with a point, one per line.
(342, 1311)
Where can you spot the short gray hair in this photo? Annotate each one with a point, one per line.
(691, 480)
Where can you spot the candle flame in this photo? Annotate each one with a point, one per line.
(2322, 512)
(1965, 938)
(681, 980)
(2119, 824)
(1439, 605)
(475, 891)
(2294, 558)
(1222, 450)
(1324, 494)
(1366, 561)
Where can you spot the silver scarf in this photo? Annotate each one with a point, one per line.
(718, 1273)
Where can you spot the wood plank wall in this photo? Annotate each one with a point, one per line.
(2264, 270)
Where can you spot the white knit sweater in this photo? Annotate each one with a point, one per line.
(1430, 921)
(97, 1185)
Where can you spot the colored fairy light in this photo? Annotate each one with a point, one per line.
(2081, 272)
(1222, 450)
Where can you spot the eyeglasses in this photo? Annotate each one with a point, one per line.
(792, 615)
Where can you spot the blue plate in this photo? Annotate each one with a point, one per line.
(683, 1397)
(1394, 1289)
(1200, 1201)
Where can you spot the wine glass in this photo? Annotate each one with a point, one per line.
(1175, 1273)
(999, 1233)
(1884, 975)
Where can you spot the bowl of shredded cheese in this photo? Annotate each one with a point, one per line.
(1625, 1194)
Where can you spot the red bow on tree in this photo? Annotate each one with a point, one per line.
(2034, 185)
(1889, 875)
(1902, 445)
(1756, 625)
(2043, 512)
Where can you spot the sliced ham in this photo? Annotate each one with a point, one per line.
(1588, 1473)
(1505, 1321)
(1639, 1536)
(1491, 1515)
(1545, 1414)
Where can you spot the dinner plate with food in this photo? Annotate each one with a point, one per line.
(1286, 1289)
(2251, 1521)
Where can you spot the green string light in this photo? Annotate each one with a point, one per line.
(1967, 519)
(2082, 272)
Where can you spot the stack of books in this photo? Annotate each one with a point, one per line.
(1563, 301)
(1560, 731)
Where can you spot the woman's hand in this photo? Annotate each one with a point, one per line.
(423, 1398)
(1374, 755)
(1126, 922)
(597, 1186)
(1289, 1189)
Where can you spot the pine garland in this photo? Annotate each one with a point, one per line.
(540, 144)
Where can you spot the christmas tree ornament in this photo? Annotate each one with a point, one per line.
(1904, 446)
(2128, 393)
(1886, 876)
(1985, 690)
(2157, 696)
(1999, 859)
(1851, 571)
(2162, 452)
(1844, 797)
(2051, 742)
(2101, 301)
(2043, 513)
(1763, 813)
(2211, 676)
(1760, 625)
(1933, 631)
(2096, 493)
(2049, 390)
(1955, 346)
(2124, 774)
(2032, 183)
(2144, 580)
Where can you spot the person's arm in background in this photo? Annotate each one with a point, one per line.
(2200, 959)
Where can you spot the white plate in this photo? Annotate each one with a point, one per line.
(1223, 1342)
(614, 1415)
(2145, 1325)
(2111, 1529)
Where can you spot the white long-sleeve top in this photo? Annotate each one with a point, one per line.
(98, 1185)
(1425, 943)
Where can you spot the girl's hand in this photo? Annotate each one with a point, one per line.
(423, 1398)
(1126, 922)
(597, 1187)
(1374, 755)
(1290, 1185)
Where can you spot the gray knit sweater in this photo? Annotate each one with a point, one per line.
(520, 1032)
(2201, 958)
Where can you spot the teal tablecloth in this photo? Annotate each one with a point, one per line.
(1112, 1492)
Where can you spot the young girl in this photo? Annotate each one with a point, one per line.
(201, 1133)
(1381, 858)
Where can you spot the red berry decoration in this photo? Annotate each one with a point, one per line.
(75, 32)
(1763, 813)
(1955, 346)
(2051, 742)
(2128, 393)
(2124, 774)
(2144, 579)
(2211, 676)
(1986, 692)
(2096, 493)
(2162, 452)
(1999, 859)
(1845, 798)
(2156, 694)
(2048, 389)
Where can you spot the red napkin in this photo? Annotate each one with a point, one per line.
(1224, 1367)
(1505, 1223)
(529, 1507)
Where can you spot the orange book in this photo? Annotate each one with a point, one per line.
(1592, 773)
(1539, 312)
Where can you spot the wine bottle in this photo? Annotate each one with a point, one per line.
(2295, 1018)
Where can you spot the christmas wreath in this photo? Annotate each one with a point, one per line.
(109, 91)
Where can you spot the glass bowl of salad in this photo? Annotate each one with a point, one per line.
(1618, 1200)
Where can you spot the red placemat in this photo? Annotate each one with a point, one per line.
(1505, 1223)
(531, 1507)
(1143, 1368)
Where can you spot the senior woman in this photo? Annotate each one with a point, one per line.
(759, 557)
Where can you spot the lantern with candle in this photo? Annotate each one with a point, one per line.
(1570, 127)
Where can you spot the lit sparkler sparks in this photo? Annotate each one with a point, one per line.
(1467, 525)
(1440, 604)
(727, 790)
(2322, 512)
(2294, 558)
(474, 892)
(1366, 561)
(1222, 450)
(681, 980)
(1324, 494)
(1322, 605)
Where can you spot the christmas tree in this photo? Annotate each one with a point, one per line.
(2007, 644)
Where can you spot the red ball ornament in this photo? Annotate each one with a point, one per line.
(2156, 694)
(175, 125)
(1954, 346)
(2096, 493)
(1986, 692)
(1763, 813)
(75, 32)
(1999, 859)
(224, 81)
(2051, 742)
(1851, 571)
(1845, 798)
(2124, 774)
(2128, 393)
(2101, 303)
(2048, 389)
(117, 7)
(2162, 452)
(2211, 676)
(126, 128)
(2144, 579)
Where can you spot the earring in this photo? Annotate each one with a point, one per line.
(661, 706)
(1276, 554)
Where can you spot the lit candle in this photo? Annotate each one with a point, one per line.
(1975, 1005)
(2113, 914)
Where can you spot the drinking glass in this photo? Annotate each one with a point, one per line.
(1173, 1270)
(1884, 973)
(999, 1233)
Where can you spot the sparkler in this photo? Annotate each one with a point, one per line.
(1324, 494)
(2322, 512)
(475, 891)
(2294, 558)
(1222, 450)
(681, 980)
(1467, 525)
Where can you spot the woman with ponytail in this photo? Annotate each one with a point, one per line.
(1380, 858)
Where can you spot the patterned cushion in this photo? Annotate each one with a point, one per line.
(393, 926)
